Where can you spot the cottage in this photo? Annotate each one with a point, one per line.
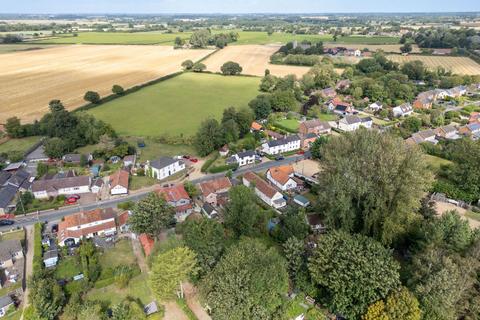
(447, 132)
(10, 252)
(50, 258)
(327, 93)
(6, 302)
(290, 143)
(119, 182)
(164, 167)
(129, 161)
(264, 191)
(423, 136)
(178, 198)
(242, 158)
(314, 126)
(86, 224)
(213, 191)
(456, 92)
(282, 177)
(60, 184)
(7, 195)
(423, 103)
(402, 110)
(255, 127)
(274, 135)
(353, 123)
(308, 140)
(340, 107)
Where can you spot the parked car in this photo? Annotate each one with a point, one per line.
(71, 200)
(279, 158)
(6, 222)
(76, 196)
(55, 228)
(194, 160)
(301, 152)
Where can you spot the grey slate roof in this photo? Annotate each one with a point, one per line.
(164, 162)
(60, 183)
(5, 301)
(244, 154)
(8, 248)
(7, 194)
(208, 208)
(275, 143)
(352, 119)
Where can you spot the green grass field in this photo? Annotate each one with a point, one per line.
(176, 106)
(245, 37)
(21, 145)
(436, 162)
(291, 124)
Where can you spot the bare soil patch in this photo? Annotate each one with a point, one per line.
(254, 59)
(30, 79)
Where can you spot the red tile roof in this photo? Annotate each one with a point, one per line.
(260, 184)
(123, 218)
(174, 194)
(119, 178)
(281, 174)
(256, 126)
(65, 227)
(147, 243)
(214, 186)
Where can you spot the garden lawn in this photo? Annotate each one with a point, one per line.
(14, 235)
(176, 106)
(435, 162)
(67, 268)
(291, 124)
(21, 145)
(327, 117)
(121, 254)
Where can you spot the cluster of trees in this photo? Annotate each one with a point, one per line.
(11, 38)
(231, 68)
(295, 59)
(195, 67)
(444, 38)
(212, 134)
(204, 37)
(310, 48)
(65, 130)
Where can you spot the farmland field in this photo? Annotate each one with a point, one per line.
(30, 79)
(8, 48)
(372, 47)
(254, 59)
(458, 65)
(245, 37)
(176, 106)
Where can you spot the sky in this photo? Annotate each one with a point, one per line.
(235, 6)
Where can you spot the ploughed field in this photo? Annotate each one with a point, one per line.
(458, 65)
(178, 105)
(30, 79)
(254, 59)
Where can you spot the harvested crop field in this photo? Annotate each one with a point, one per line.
(254, 59)
(458, 65)
(29, 80)
(371, 47)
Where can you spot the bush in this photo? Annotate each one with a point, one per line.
(231, 68)
(187, 64)
(209, 162)
(126, 205)
(37, 247)
(118, 90)
(199, 67)
(224, 168)
(92, 96)
(123, 275)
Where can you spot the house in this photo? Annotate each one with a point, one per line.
(308, 140)
(343, 84)
(340, 107)
(442, 52)
(423, 136)
(456, 92)
(129, 161)
(376, 106)
(97, 185)
(50, 258)
(10, 252)
(423, 103)
(86, 224)
(282, 177)
(264, 191)
(19, 179)
(301, 201)
(274, 135)
(447, 132)
(73, 158)
(14, 166)
(327, 93)
(147, 244)
(352, 123)
(164, 167)
(60, 184)
(224, 151)
(213, 191)
(242, 158)
(255, 126)
(314, 126)
(470, 129)
(402, 110)
(122, 221)
(290, 143)
(209, 210)
(118, 182)
(7, 195)
(6, 302)
(177, 197)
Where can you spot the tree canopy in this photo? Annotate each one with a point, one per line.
(151, 215)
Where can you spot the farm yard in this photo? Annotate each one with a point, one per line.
(29, 80)
(458, 65)
(254, 59)
(176, 106)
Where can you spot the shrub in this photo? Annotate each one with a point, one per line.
(37, 247)
(199, 67)
(231, 68)
(118, 90)
(92, 96)
(209, 162)
(223, 168)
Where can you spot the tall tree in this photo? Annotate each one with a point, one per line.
(169, 270)
(354, 270)
(209, 137)
(151, 215)
(249, 282)
(401, 305)
(46, 295)
(372, 182)
(206, 238)
(241, 212)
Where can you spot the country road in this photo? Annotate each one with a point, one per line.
(55, 215)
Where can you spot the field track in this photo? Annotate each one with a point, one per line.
(458, 65)
(254, 59)
(30, 79)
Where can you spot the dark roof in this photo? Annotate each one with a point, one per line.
(50, 254)
(8, 248)
(4, 176)
(5, 301)
(352, 119)
(275, 143)
(59, 183)
(7, 194)
(163, 162)
(310, 135)
(244, 154)
(208, 208)
(19, 178)
(367, 119)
